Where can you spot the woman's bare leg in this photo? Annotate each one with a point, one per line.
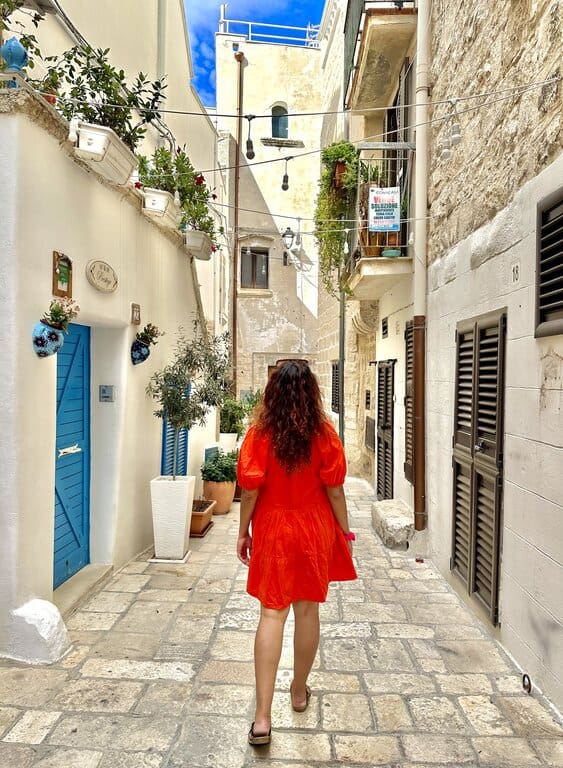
(267, 652)
(305, 645)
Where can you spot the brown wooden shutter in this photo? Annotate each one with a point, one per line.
(409, 401)
(385, 392)
(335, 389)
(477, 457)
(549, 301)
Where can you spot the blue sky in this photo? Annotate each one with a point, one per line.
(203, 22)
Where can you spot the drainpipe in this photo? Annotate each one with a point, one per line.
(239, 57)
(161, 47)
(420, 234)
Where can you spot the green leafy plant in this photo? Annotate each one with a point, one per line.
(173, 173)
(221, 467)
(15, 25)
(149, 334)
(88, 87)
(196, 380)
(333, 205)
(251, 400)
(60, 313)
(231, 416)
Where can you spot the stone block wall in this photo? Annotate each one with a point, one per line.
(479, 47)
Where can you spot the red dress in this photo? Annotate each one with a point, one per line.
(297, 545)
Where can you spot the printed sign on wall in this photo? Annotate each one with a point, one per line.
(384, 209)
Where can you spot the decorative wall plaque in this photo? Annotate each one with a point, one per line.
(101, 276)
(135, 314)
(62, 275)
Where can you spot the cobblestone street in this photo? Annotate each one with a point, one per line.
(161, 674)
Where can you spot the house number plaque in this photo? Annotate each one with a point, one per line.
(101, 276)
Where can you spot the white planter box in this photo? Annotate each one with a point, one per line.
(172, 515)
(228, 441)
(199, 244)
(103, 151)
(161, 207)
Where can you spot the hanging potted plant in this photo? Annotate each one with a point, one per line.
(219, 475)
(195, 381)
(140, 348)
(157, 176)
(48, 334)
(334, 204)
(101, 105)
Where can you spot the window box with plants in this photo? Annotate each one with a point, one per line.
(335, 200)
(169, 177)
(193, 382)
(219, 475)
(108, 116)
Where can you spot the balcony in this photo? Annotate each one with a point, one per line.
(378, 35)
(380, 256)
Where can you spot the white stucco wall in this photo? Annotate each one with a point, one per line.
(470, 279)
(52, 203)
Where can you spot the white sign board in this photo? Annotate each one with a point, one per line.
(384, 209)
(101, 276)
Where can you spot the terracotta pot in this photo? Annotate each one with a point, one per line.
(202, 512)
(222, 493)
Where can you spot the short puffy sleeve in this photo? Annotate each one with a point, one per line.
(253, 455)
(333, 460)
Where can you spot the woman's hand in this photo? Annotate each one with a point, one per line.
(244, 548)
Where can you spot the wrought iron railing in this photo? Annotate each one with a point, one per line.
(354, 25)
(388, 172)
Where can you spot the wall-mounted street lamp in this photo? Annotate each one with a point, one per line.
(288, 237)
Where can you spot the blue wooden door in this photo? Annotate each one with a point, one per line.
(72, 475)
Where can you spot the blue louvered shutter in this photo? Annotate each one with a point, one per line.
(166, 466)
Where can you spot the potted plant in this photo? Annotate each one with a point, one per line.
(202, 513)
(231, 423)
(195, 381)
(219, 475)
(140, 348)
(166, 175)
(108, 113)
(334, 204)
(48, 334)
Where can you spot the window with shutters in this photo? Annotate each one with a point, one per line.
(384, 449)
(409, 402)
(549, 283)
(478, 457)
(280, 127)
(254, 268)
(335, 389)
(167, 459)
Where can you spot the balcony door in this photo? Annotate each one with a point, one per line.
(385, 394)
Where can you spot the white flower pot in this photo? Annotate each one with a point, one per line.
(228, 441)
(172, 515)
(103, 150)
(199, 244)
(161, 207)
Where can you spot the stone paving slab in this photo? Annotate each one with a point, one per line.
(161, 674)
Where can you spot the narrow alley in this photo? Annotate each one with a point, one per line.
(160, 674)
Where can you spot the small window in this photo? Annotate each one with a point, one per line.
(279, 123)
(254, 268)
(335, 393)
(549, 301)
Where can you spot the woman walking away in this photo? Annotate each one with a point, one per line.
(291, 469)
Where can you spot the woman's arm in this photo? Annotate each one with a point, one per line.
(244, 542)
(337, 500)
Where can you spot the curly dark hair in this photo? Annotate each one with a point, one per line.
(291, 412)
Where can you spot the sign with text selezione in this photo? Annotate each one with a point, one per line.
(384, 209)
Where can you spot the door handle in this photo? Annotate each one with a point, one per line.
(480, 446)
(71, 449)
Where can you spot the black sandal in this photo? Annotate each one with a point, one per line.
(258, 740)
